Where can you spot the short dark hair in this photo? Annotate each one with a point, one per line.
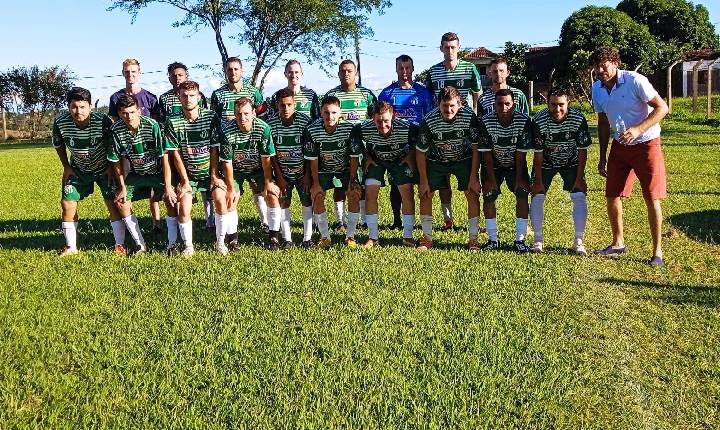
(498, 60)
(449, 37)
(448, 93)
(330, 100)
(127, 100)
(176, 65)
(242, 101)
(559, 92)
(232, 60)
(603, 54)
(344, 62)
(380, 108)
(189, 86)
(78, 94)
(504, 93)
(291, 62)
(403, 58)
(283, 93)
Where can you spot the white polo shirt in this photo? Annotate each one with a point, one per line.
(628, 98)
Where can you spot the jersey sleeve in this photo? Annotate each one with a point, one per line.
(484, 141)
(429, 103)
(476, 84)
(106, 131)
(371, 99)
(524, 140)
(522, 104)
(583, 139)
(257, 97)
(315, 107)
(310, 149)
(357, 146)
(154, 108)
(413, 136)
(203, 101)
(214, 130)
(214, 102)
(158, 139)
(425, 137)
(386, 95)
(538, 136)
(112, 107)
(267, 147)
(57, 139)
(114, 151)
(171, 141)
(226, 150)
(473, 131)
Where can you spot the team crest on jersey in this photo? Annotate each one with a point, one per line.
(439, 136)
(358, 103)
(513, 140)
(414, 101)
(71, 142)
(567, 135)
(68, 189)
(342, 144)
(494, 139)
(461, 83)
(204, 134)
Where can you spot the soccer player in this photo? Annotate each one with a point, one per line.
(287, 128)
(149, 106)
(390, 147)
(356, 106)
(499, 73)
(464, 77)
(563, 135)
(410, 101)
(189, 141)
(447, 145)
(306, 99)
(332, 155)
(222, 101)
(504, 140)
(245, 150)
(86, 136)
(138, 139)
(170, 105)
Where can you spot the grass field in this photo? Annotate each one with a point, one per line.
(382, 339)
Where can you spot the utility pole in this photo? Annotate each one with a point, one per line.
(357, 57)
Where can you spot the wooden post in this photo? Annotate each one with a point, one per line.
(4, 123)
(696, 66)
(531, 90)
(357, 57)
(709, 87)
(669, 86)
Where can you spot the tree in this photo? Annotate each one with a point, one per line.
(39, 90)
(515, 55)
(318, 30)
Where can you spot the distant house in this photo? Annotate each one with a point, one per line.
(683, 76)
(481, 58)
(540, 62)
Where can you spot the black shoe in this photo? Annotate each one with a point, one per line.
(490, 245)
(363, 226)
(339, 227)
(520, 247)
(233, 245)
(264, 227)
(288, 244)
(173, 250)
(308, 244)
(273, 244)
(396, 225)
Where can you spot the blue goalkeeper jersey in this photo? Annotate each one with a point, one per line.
(411, 104)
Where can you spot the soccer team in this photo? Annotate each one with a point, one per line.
(348, 141)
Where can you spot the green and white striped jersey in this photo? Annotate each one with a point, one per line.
(390, 149)
(356, 105)
(288, 144)
(448, 142)
(332, 150)
(88, 146)
(143, 149)
(465, 78)
(560, 141)
(244, 148)
(193, 140)
(487, 101)
(222, 100)
(170, 104)
(306, 101)
(504, 142)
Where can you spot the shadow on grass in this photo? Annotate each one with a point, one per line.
(31, 144)
(681, 294)
(703, 226)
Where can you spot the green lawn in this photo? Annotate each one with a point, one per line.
(386, 338)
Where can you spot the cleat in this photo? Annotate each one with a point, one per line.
(120, 250)
(173, 250)
(67, 251)
(233, 245)
(138, 250)
(339, 227)
(264, 227)
(449, 225)
(396, 225)
(273, 244)
(371, 243)
(579, 248)
(287, 245)
(536, 248)
(491, 245)
(520, 247)
(656, 261)
(350, 242)
(307, 244)
(424, 244)
(221, 248)
(409, 243)
(324, 243)
(188, 252)
(473, 245)
(363, 226)
(611, 251)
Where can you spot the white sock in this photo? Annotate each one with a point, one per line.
(220, 227)
(70, 232)
(274, 218)
(492, 230)
(231, 222)
(133, 227)
(186, 233)
(408, 224)
(372, 223)
(209, 211)
(322, 222)
(172, 230)
(261, 207)
(307, 217)
(537, 213)
(340, 212)
(285, 225)
(447, 211)
(427, 225)
(520, 228)
(118, 229)
(353, 218)
(473, 227)
(579, 213)
(363, 215)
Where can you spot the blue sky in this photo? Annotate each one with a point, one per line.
(92, 42)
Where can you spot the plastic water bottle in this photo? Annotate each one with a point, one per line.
(619, 127)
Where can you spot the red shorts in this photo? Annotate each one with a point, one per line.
(644, 161)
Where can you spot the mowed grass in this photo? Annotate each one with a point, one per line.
(386, 338)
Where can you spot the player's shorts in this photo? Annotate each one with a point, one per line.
(337, 183)
(398, 174)
(139, 187)
(82, 184)
(507, 176)
(256, 181)
(644, 161)
(568, 175)
(438, 174)
(328, 180)
(296, 184)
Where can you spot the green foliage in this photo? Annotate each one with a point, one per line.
(514, 53)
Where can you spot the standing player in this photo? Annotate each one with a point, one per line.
(463, 76)
(245, 150)
(563, 135)
(390, 147)
(222, 101)
(410, 101)
(332, 155)
(137, 138)
(356, 106)
(306, 99)
(505, 139)
(499, 73)
(188, 139)
(86, 135)
(447, 145)
(287, 131)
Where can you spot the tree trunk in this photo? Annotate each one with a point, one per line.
(4, 123)
(220, 44)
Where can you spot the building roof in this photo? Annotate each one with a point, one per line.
(481, 52)
(702, 54)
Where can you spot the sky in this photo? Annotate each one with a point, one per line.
(92, 42)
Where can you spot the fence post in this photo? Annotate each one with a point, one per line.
(532, 94)
(669, 85)
(709, 87)
(4, 123)
(696, 66)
